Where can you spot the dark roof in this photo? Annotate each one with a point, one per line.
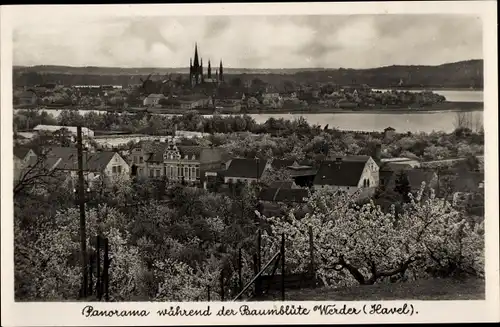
(283, 195)
(395, 166)
(95, 162)
(281, 163)
(21, 152)
(60, 151)
(303, 172)
(99, 160)
(345, 172)
(203, 154)
(281, 185)
(389, 129)
(190, 151)
(245, 168)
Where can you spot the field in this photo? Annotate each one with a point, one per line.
(432, 289)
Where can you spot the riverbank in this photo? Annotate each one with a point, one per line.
(447, 106)
(451, 106)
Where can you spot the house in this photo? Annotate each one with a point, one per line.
(389, 132)
(107, 164)
(175, 162)
(86, 132)
(23, 158)
(273, 200)
(245, 170)
(153, 100)
(27, 98)
(350, 174)
(24, 154)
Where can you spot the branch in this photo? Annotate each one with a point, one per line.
(353, 271)
(401, 269)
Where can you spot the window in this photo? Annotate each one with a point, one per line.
(113, 169)
(368, 183)
(141, 159)
(197, 172)
(119, 169)
(158, 173)
(140, 171)
(151, 172)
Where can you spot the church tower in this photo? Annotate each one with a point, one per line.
(209, 70)
(221, 72)
(196, 69)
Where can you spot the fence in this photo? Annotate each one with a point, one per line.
(98, 272)
(265, 283)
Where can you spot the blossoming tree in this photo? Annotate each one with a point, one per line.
(362, 244)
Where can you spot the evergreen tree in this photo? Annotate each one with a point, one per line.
(403, 186)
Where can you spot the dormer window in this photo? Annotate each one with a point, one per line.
(186, 157)
(194, 157)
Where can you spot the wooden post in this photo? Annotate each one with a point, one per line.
(98, 266)
(311, 252)
(283, 267)
(259, 246)
(106, 270)
(255, 272)
(208, 293)
(222, 285)
(91, 266)
(81, 200)
(240, 268)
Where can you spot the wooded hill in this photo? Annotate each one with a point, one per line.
(463, 74)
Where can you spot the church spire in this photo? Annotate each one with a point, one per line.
(209, 70)
(196, 63)
(221, 71)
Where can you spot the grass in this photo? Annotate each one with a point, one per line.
(431, 289)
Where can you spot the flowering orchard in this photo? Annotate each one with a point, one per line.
(187, 249)
(361, 244)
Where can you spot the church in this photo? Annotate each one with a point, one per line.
(196, 74)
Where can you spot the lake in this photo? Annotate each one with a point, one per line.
(402, 122)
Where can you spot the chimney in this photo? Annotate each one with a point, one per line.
(378, 154)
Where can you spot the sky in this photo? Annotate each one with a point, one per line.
(334, 41)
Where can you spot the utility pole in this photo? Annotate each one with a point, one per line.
(81, 200)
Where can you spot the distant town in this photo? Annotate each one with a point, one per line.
(209, 89)
(178, 176)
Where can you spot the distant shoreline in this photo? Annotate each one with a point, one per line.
(448, 106)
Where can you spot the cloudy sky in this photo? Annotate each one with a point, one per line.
(355, 41)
